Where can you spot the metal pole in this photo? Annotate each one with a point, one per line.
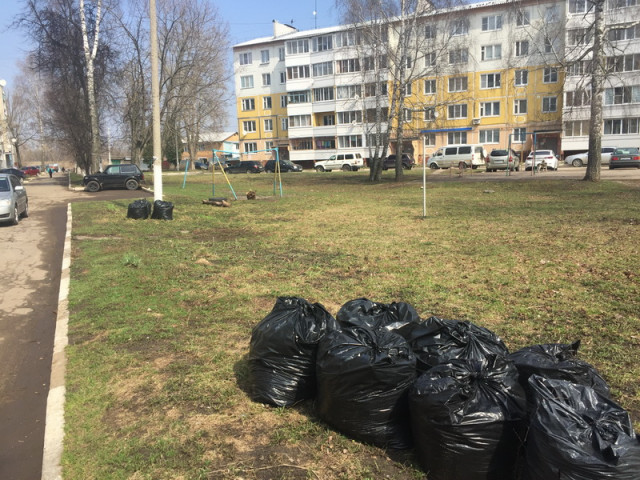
(424, 176)
(155, 94)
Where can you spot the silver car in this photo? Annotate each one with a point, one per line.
(498, 159)
(14, 203)
(580, 159)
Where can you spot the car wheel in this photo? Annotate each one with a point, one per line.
(319, 168)
(610, 167)
(462, 166)
(577, 162)
(433, 166)
(93, 186)
(346, 168)
(16, 217)
(25, 214)
(517, 169)
(131, 184)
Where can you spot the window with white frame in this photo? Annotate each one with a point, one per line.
(299, 71)
(368, 63)
(322, 43)
(268, 125)
(299, 121)
(550, 75)
(407, 61)
(264, 56)
(322, 94)
(622, 95)
(284, 124)
(245, 58)
(353, 116)
(579, 68)
(430, 31)
(301, 144)
(519, 106)
(489, 109)
(373, 89)
(455, 138)
(458, 55)
(348, 65)
(457, 111)
(281, 54)
(349, 141)
(430, 139)
(268, 145)
(492, 22)
(519, 135)
(624, 63)
(297, 46)
(523, 18)
(576, 128)
(250, 147)
(283, 101)
(491, 52)
(430, 59)
(621, 126)
(248, 104)
(246, 81)
(407, 114)
(348, 91)
(623, 32)
(578, 98)
(266, 79)
(522, 48)
(490, 80)
(429, 87)
(549, 104)
(283, 77)
(521, 78)
(552, 14)
(614, 4)
(328, 120)
(458, 84)
(548, 45)
(266, 103)
(302, 96)
(578, 6)
(490, 136)
(459, 27)
(249, 126)
(581, 36)
(345, 39)
(406, 90)
(429, 114)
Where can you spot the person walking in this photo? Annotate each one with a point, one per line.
(50, 170)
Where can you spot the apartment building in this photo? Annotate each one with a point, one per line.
(494, 73)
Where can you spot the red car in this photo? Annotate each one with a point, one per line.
(30, 170)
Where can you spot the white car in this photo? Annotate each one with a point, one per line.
(346, 162)
(543, 157)
(580, 159)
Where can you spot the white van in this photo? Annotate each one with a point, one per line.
(342, 161)
(462, 156)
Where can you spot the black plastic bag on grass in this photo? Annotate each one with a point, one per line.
(139, 210)
(364, 376)
(578, 434)
(436, 341)
(282, 353)
(162, 210)
(364, 312)
(468, 420)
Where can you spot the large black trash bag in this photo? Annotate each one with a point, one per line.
(557, 361)
(282, 351)
(139, 210)
(363, 380)
(436, 341)
(162, 210)
(578, 434)
(468, 420)
(364, 312)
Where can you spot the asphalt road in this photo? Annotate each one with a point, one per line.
(30, 266)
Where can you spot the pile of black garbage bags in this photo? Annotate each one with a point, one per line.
(141, 210)
(451, 389)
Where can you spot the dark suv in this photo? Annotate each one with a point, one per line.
(250, 166)
(390, 162)
(126, 176)
(285, 166)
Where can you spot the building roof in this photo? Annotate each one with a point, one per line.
(216, 136)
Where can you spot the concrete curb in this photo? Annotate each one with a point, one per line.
(54, 428)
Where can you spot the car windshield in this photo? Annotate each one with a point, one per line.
(4, 185)
(627, 151)
(540, 153)
(499, 153)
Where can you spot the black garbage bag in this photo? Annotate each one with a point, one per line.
(162, 210)
(468, 420)
(364, 376)
(578, 434)
(139, 210)
(557, 361)
(436, 341)
(364, 312)
(282, 352)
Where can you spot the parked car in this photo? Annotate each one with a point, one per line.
(13, 171)
(14, 203)
(625, 157)
(201, 164)
(407, 162)
(580, 159)
(542, 157)
(346, 162)
(501, 159)
(31, 171)
(248, 166)
(52, 166)
(127, 176)
(461, 156)
(285, 166)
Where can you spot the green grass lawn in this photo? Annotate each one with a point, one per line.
(162, 311)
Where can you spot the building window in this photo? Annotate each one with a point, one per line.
(302, 144)
(459, 27)
(621, 126)
(429, 87)
(323, 43)
(460, 55)
(624, 33)
(266, 79)
(264, 56)
(248, 104)
(430, 59)
(349, 65)
(491, 52)
(490, 136)
(549, 104)
(328, 120)
(353, 116)
(523, 18)
(322, 69)
(322, 94)
(246, 81)
(284, 124)
(407, 114)
(522, 48)
(577, 6)
(490, 80)
(519, 135)
(250, 147)
(299, 71)
(521, 78)
(624, 63)
(489, 109)
(268, 125)
(249, 126)
(613, 4)
(457, 84)
(266, 103)
(299, 121)
(430, 139)
(406, 90)
(430, 31)
(519, 107)
(345, 39)
(268, 145)
(281, 54)
(622, 95)
(325, 143)
(551, 14)
(582, 36)
(548, 45)
(454, 138)
(283, 77)
(550, 75)
(297, 46)
(578, 128)
(349, 141)
(302, 96)
(245, 58)
(457, 111)
(582, 67)
(348, 91)
(283, 101)
(429, 114)
(579, 98)
(373, 89)
(492, 22)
